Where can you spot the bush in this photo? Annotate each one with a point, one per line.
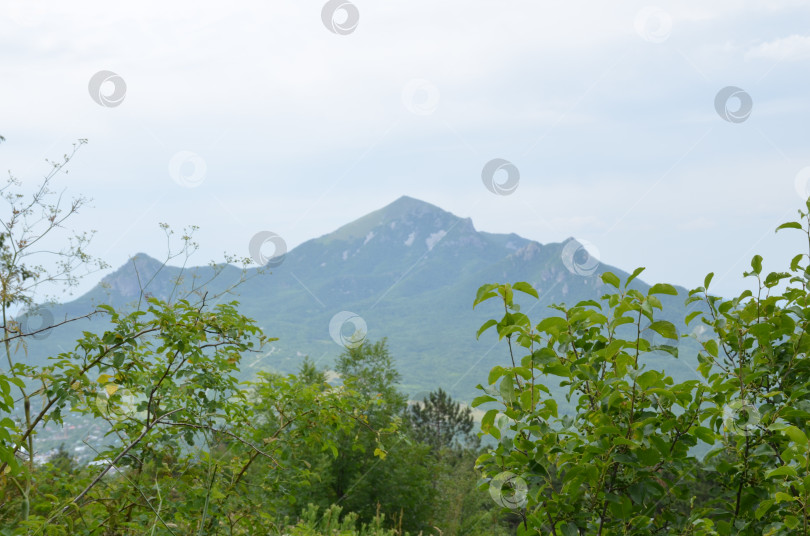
(625, 461)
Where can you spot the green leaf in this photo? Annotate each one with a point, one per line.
(763, 507)
(756, 264)
(705, 434)
(610, 279)
(556, 369)
(526, 400)
(505, 331)
(606, 430)
(648, 457)
(526, 288)
(553, 325)
(789, 225)
(648, 378)
(785, 470)
(551, 405)
(477, 401)
(773, 278)
(496, 373)
(488, 419)
(635, 274)
(707, 280)
(663, 288)
(508, 389)
(665, 329)
(796, 435)
(484, 293)
(17, 381)
(691, 316)
(488, 324)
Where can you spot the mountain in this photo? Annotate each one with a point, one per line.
(410, 271)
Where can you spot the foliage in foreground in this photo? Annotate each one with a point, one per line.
(192, 451)
(255, 472)
(625, 462)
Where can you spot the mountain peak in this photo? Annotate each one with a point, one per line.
(404, 210)
(127, 280)
(407, 200)
(140, 262)
(405, 207)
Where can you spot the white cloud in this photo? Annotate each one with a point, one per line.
(792, 48)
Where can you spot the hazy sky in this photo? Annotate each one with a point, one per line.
(242, 117)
